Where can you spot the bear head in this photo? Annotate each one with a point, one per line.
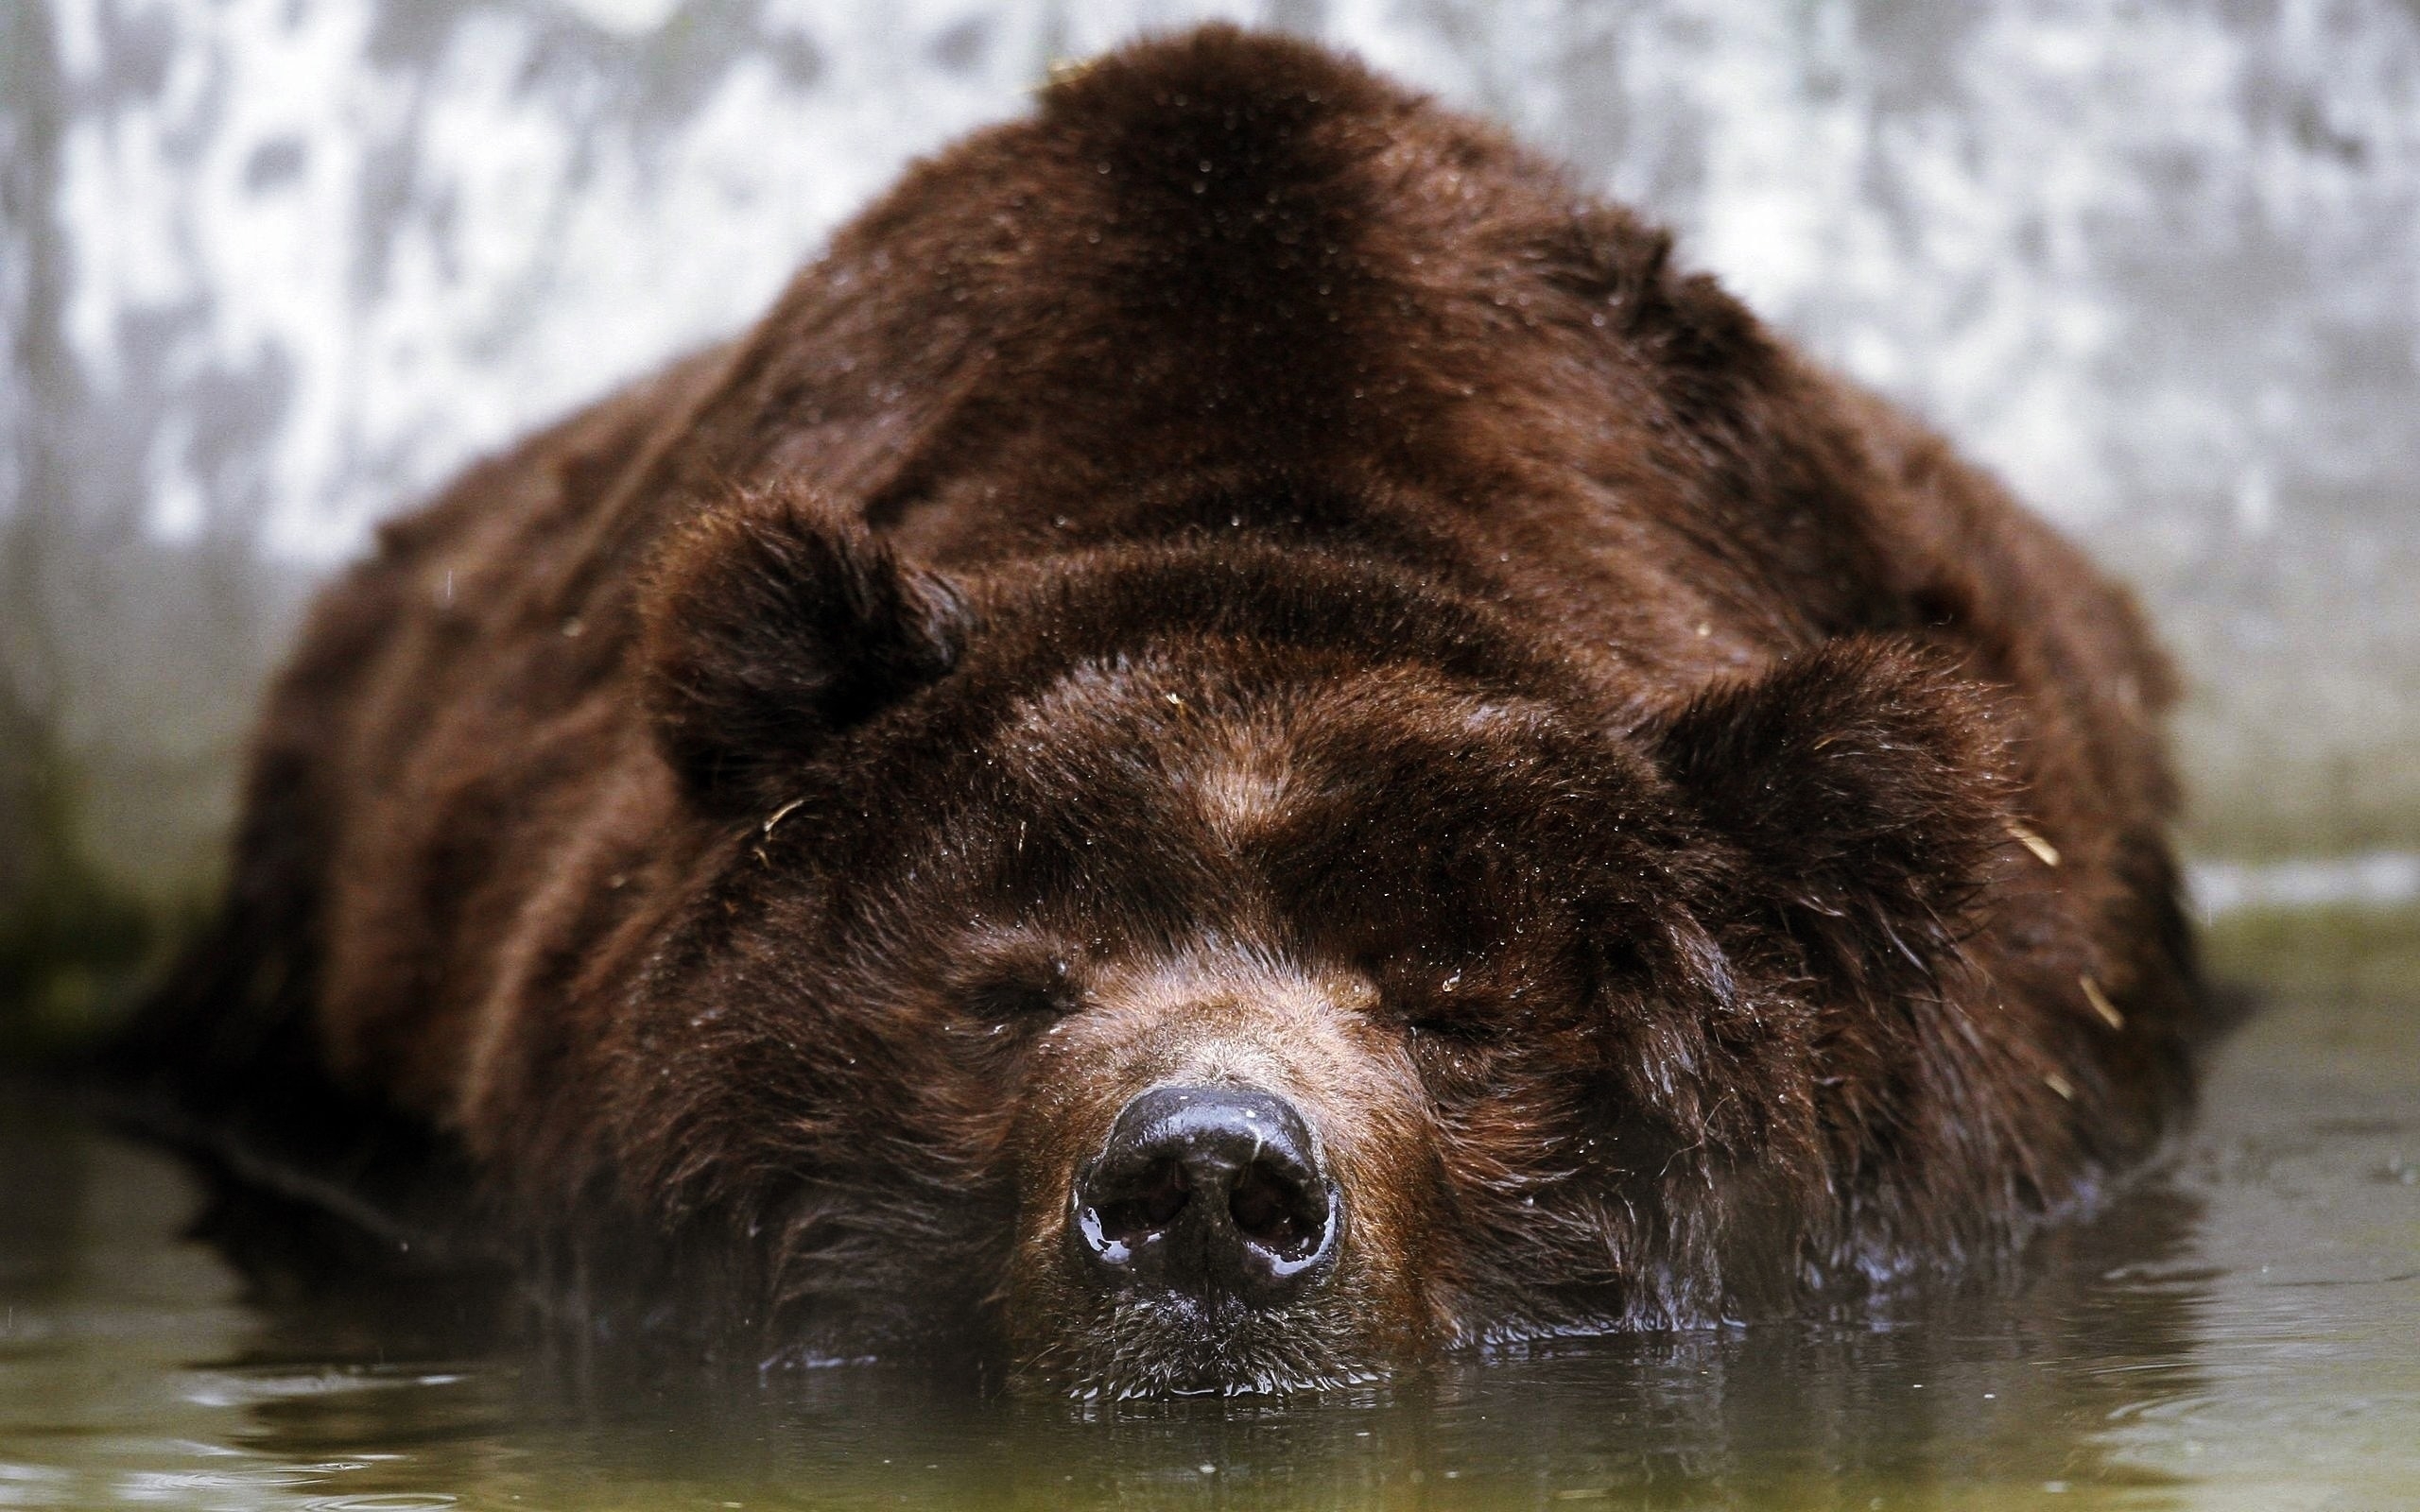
(1230, 963)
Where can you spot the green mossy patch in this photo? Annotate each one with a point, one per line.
(75, 946)
(2348, 952)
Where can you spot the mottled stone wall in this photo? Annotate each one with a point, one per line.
(272, 268)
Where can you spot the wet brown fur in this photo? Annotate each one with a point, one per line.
(1241, 575)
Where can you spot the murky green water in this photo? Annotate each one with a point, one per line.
(2242, 1330)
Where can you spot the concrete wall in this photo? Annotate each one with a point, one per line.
(271, 268)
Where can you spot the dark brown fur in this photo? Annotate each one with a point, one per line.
(1242, 576)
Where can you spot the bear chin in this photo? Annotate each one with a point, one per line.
(1178, 1347)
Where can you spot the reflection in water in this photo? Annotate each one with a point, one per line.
(2236, 1331)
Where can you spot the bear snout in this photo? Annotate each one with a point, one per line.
(1209, 1192)
(1228, 1185)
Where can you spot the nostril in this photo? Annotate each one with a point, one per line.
(1150, 1205)
(1276, 1212)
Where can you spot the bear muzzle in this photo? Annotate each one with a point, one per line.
(1208, 1193)
(1229, 1184)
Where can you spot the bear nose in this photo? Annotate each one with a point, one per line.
(1208, 1191)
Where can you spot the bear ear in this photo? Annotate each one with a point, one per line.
(1868, 784)
(771, 624)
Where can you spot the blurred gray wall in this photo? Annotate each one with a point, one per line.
(271, 268)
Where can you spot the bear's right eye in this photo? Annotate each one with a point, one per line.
(1044, 991)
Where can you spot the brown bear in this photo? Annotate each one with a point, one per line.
(1243, 743)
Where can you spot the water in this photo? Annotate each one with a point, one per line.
(2241, 1330)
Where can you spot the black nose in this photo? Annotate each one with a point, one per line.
(1208, 1191)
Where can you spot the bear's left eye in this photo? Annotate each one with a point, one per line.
(1456, 1028)
(1449, 1007)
